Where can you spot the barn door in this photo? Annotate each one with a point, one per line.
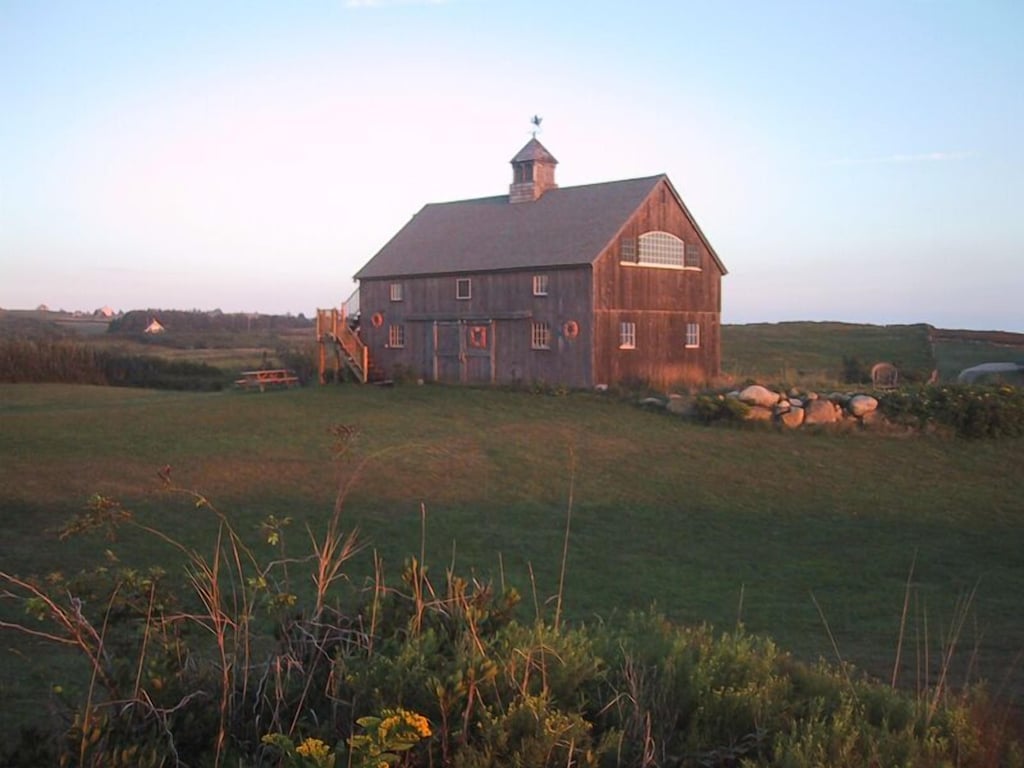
(448, 352)
(464, 352)
(478, 360)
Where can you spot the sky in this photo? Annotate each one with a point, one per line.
(858, 161)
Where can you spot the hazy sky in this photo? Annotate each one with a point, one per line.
(849, 160)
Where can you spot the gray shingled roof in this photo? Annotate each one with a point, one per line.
(534, 150)
(566, 226)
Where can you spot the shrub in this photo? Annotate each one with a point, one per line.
(302, 359)
(70, 362)
(239, 665)
(710, 408)
(971, 411)
(855, 371)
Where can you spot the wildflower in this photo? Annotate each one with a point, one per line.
(314, 749)
(396, 731)
(418, 723)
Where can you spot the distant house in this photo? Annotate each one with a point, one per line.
(154, 327)
(588, 285)
(107, 311)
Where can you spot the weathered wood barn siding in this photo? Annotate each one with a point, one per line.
(660, 301)
(504, 303)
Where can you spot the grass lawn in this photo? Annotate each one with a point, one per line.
(710, 524)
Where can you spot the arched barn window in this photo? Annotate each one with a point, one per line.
(661, 249)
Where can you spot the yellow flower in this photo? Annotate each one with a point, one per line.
(418, 723)
(315, 749)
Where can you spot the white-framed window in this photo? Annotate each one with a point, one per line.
(692, 260)
(692, 335)
(396, 336)
(660, 249)
(395, 291)
(627, 335)
(463, 288)
(540, 285)
(540, 336)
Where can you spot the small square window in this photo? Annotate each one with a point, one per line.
(396, 336)
(463, 288)
(692, 259)
(627, 335)
(396, 291)
(692, 335)
(540, 285)
(540, 336)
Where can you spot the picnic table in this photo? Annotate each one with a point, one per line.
(267, 378)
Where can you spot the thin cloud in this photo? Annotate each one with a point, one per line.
(898, 159)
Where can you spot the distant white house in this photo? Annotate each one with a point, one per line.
(154, 327)
(106, 311)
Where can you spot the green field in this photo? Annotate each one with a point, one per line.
(814, 353)
(710, 524)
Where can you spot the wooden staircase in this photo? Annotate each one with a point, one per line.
(349, 351)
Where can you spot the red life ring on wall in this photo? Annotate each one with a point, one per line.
(571, 329)
(478, 336)
(377, 319)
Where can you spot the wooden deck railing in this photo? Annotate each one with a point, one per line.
(332, 327)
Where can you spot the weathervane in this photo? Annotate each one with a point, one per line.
(536, 120)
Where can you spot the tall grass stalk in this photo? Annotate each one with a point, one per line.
(903, 621)
(565, 539)
(835, 646)
(961, 612)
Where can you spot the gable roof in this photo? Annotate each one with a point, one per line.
(566, 226)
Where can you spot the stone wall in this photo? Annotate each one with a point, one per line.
(799, 409)
(790, 410)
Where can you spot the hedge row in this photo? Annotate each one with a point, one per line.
(74, 363)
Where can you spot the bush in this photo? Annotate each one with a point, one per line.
(855, 371)
(302, 360)
(260, 657)
(710, 408)
(971, 411)
(68, 362)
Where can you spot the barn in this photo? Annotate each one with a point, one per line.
(599, 284)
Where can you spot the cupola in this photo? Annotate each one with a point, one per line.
(533, 173)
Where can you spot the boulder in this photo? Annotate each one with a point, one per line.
(758, 413)
(861, 404)
(755, 394)
(792, 418)
(821, 411)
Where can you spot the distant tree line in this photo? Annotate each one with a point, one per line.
(193, 321)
